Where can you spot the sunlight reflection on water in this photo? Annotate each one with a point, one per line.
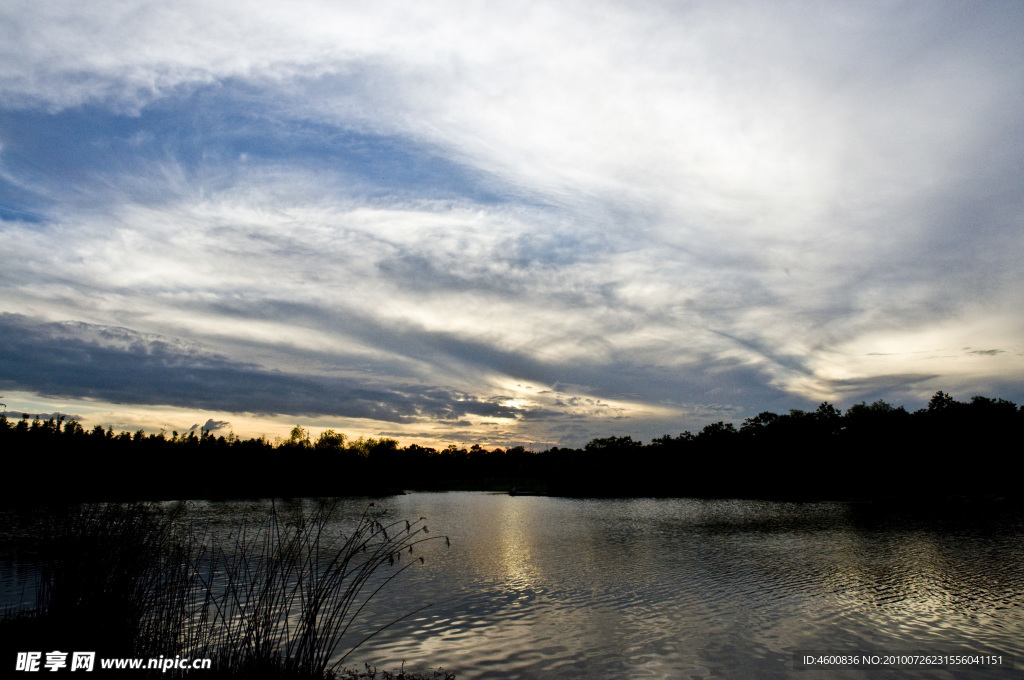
(561, 588)
(545, 587)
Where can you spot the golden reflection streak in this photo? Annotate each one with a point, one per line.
(515, 547)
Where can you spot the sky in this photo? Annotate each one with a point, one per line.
(506, 223)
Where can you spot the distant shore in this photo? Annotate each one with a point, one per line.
(871, 452)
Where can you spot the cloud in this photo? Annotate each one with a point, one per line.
(987, 352)
(211, 425)
(408, 209)
(120, 366)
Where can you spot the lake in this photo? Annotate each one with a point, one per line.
(538, 587)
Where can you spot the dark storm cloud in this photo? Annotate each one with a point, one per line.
(120, 366)
(622, 375)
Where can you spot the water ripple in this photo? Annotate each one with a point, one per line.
(557, 588)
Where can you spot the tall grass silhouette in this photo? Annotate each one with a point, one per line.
(274, 598)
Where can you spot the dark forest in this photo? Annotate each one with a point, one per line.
(948, 450)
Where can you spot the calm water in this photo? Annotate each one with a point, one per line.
(536, 587)
(546, 587)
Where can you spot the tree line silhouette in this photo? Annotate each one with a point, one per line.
(947, 450)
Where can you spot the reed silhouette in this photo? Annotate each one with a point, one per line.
(275, 598)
